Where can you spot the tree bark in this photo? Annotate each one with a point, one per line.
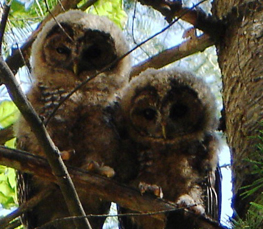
(240, 54)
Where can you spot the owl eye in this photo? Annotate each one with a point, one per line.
(92, 52)
(63, 50)
(149, 113)
(178, 111)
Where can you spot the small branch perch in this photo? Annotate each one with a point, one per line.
(52, 153)
(108, 189)
(171, 55)
(197, 17)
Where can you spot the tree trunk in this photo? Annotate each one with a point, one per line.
(240, 57)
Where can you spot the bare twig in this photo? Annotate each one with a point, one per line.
(51, 151)
(133, 22)
(13, 225)
(168, 56)
(58, 23)
(108, 189)
(6, 9)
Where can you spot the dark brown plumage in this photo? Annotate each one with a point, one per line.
(168, 118)
(63, 56)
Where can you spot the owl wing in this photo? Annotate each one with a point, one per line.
(23, 194)
(213, 194)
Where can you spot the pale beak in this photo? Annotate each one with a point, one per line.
(164, 131)
(75, 67)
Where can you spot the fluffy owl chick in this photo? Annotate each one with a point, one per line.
(67, 51)
(168, 118)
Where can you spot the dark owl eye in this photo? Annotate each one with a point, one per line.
(149, 113)
(63, 50)
(178, 110)
(91, 52)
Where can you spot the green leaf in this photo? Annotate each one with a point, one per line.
(113, 9)
(259, 206)
(8, 113)
(11, 143)
(8, 188)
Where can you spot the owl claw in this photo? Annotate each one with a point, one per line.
(151, 188)
(94, 166)
(186, 201)
(67, 154)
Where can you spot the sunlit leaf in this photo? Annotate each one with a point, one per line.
(11, 143)
(8, 113)
(259, 206)
(8, 188)
(113, 9)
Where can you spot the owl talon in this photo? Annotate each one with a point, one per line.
(67, 154)
(151, 188)
(186, 201)
(94, 166)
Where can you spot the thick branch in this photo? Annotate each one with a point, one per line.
(6, 134)
(52, 153)
(6, 9)
(189, 47)
(197, 17)
(108, 189)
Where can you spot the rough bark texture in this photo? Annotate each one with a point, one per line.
(240, 55)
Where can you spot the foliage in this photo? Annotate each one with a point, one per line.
(9, 114)
(32, 9)
(253, 221)
(8, 187)
(254, 216)
(257, 168)
(112, 9)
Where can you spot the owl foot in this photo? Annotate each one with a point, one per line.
(151, 188)
(186, 201)
(67, 154)
(94, 166)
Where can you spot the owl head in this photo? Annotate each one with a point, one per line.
(76, 45)
(168, 104)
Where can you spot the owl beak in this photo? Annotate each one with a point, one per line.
(164, 131)
(75, 68)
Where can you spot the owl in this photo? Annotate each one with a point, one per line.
(168, 120)
(69, 50)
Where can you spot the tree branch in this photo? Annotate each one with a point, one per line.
(197, 17)
(51, 151)
(6, 134)
(189, 47)
(6, 9)
(87, 4)
(108, 189)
